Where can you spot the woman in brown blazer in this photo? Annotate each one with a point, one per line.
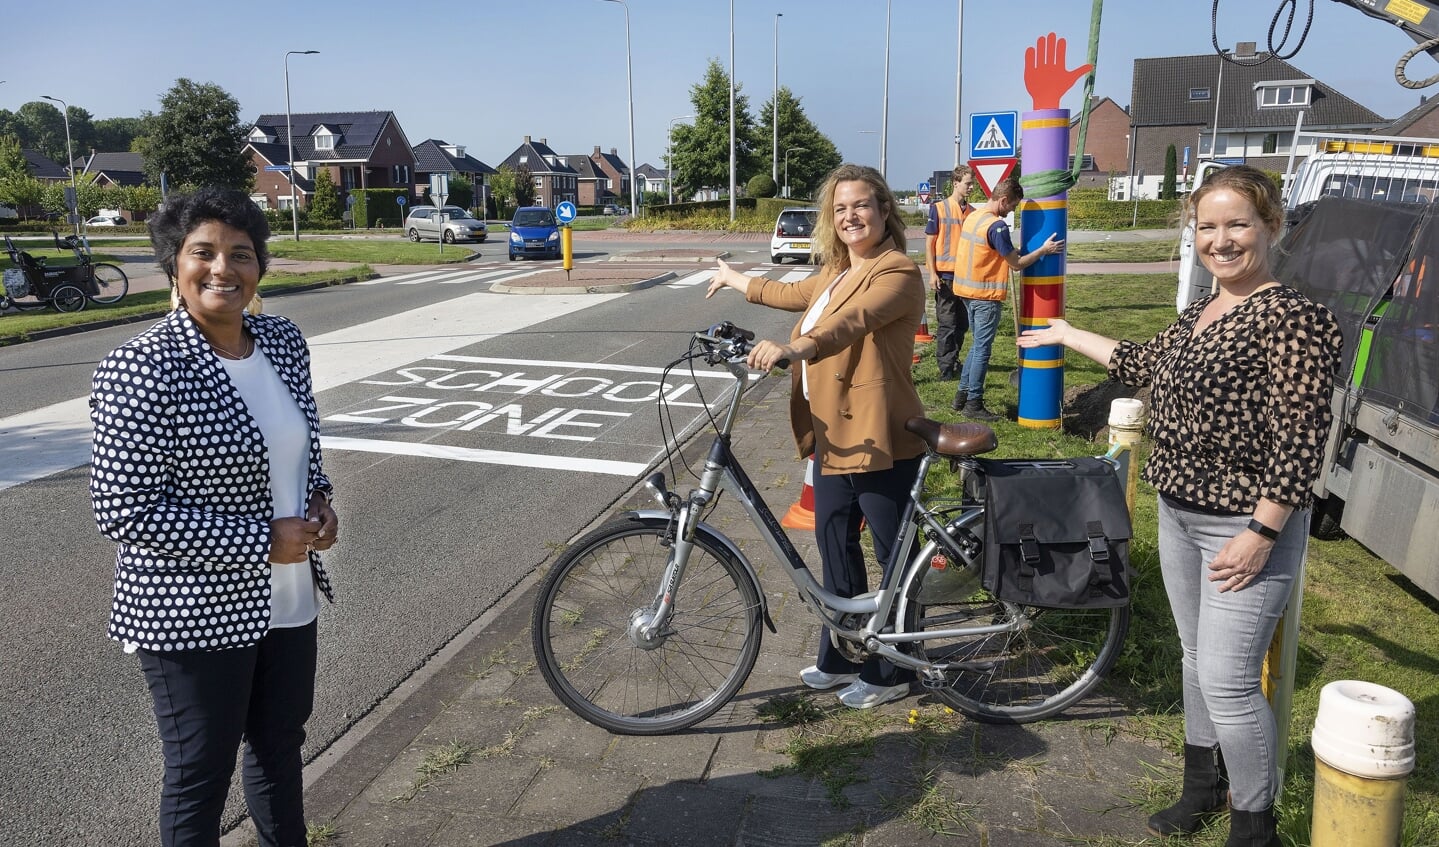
(852, 392)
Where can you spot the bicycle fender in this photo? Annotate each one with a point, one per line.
(718, 538)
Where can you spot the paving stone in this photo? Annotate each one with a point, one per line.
(663, 758)
(780, 822)
(592, 797)
(685, 814)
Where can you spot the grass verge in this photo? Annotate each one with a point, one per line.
(16, 327)
(376, 252)
(1161, 250)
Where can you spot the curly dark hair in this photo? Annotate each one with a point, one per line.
(181, 214)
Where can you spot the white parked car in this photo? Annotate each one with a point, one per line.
(106, 220)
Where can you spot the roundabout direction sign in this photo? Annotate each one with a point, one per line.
(566, 212)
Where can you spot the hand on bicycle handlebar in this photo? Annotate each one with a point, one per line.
(769, 354)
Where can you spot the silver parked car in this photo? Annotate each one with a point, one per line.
(422, 224)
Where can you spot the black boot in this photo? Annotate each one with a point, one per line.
(975, 411)
(1253, 829)
(1206, 793)
(960, 398)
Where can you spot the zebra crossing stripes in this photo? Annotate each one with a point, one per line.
(451, 276)
(693, 279)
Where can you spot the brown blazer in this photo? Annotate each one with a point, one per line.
(860, 381)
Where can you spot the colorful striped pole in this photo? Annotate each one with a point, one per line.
(1045, 139)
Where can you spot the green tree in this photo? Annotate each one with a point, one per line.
(1167, 188)
(41, 126)
(12, 159)
(760, 185)
(462, 192)
(24, 194)
(140, 199)
(502, 188)
(817, 154)
(524, 187)
(325, 198)
(197, 138)
(118, 135)
(700, 153)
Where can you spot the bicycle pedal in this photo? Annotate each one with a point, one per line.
(933, 680)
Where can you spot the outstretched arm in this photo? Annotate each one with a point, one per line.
(1044, 75)
(1086, 343)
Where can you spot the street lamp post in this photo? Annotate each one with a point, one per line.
(290, 141)
(884, 118)
(630, 87)
(774, 104)
(786, 166)
(669, 156)
(958, 82)
(69, 159)
(732, 187)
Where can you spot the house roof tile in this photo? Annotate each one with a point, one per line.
(359, 132)
(539, 158)
(43, 167)
(1162, 85)
(432, 157)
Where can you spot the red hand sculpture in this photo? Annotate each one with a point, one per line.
(1044, 73)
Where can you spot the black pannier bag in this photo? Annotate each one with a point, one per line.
(1056, 532)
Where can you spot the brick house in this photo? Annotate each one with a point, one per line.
(359, 149)
(591, 181)
(1422, 121)
(433, 156)
(1106, 143)
(1248, 113)
(555, 181)
(617, 174)
(651, 178)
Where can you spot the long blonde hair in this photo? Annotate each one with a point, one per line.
(828, 247)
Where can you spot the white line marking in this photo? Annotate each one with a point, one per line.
(580, 366)
(487, 457)
(696, 278)
(795, 276)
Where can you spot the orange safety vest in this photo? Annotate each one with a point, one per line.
(984, 274)
(951, 215)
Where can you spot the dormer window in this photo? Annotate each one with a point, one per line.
(1283, 93)
(325, 138)
(259, 136)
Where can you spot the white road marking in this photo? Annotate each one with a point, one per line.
(55, 438)
(696, 278)
(487, 457)
(796, 276)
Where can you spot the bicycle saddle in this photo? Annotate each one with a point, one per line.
(953, 439)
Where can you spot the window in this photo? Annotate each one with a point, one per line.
(1280, 95)
(1088, 162)
(1271, 142)
(1221, 144)
(400, 174)
(1199, 94)
(324, 141)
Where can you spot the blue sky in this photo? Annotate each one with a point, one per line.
(484, 73)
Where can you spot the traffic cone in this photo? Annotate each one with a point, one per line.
(922, 335)
(801, 514)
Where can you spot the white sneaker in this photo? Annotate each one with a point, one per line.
(821, 681)
(862, 695)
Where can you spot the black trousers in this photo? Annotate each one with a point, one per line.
(840, 502)
(205, 703)
(951, 323)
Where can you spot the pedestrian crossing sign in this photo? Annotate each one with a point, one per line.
(992, 135)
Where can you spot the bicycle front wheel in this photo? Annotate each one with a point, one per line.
(591, 613)
(1021, 663)
(110, 284)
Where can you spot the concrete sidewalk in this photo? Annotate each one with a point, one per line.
(475, 750)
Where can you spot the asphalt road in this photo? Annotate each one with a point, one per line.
(468, 433)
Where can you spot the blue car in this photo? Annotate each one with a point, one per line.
(534, 232)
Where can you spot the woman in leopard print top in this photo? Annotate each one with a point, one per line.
(1241, 387)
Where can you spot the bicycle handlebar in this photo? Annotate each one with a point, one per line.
(725, 342)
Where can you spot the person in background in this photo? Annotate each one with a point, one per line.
(941, 238)
(983, 259)
(206, 472)
(1240, 414)
(852, 391)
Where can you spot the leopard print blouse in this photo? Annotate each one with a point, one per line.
(1240, 410)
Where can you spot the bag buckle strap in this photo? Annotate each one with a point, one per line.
(1028, 545)
(1098, 544)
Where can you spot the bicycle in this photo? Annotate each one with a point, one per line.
(66, 288)
(651, 623)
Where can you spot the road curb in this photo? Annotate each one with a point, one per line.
(723, 254)
(597, 288)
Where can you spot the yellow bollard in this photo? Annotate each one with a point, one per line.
(1126, 428)
(1363, 753)
(567, 247)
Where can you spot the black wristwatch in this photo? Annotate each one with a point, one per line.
(1268, 532)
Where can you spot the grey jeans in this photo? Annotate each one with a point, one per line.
(1225, 637)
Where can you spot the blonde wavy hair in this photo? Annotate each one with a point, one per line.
(828, 247)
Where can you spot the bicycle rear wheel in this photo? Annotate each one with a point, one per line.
(111, 283)
(1038, 663)
(587, 639)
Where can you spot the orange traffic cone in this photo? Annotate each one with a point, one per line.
(922, 335)
(801, 514)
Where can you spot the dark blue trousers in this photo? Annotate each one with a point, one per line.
(840, 502)
(206, 703)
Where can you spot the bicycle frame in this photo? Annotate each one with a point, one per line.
(722, 470)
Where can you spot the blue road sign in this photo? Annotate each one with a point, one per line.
(400, 198)
(566, 212)
(283, 169)
(993, 135)
(924, 186)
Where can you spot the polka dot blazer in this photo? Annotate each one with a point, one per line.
(179, 479)
(1240, 410)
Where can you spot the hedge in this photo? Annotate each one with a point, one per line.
(377, 207)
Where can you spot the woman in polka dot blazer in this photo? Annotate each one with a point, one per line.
(1240, 416)
(206, 473)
